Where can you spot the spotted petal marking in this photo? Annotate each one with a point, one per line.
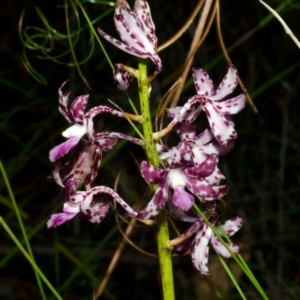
(204, 169)
(200, 251)
(157, 203)
(221, 250)
(227, 85)
(231, 226)
(75, 116)
(151, 174)
(136, 30)
(233, 105)
(122, 78)
(105, 140)
(203, 189)
(59, 219)
(143, 13)
(77, 109)
(62, 149)
(63, 100)
(221, 126)
(203, 84)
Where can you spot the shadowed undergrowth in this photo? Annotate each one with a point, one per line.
(262, 170)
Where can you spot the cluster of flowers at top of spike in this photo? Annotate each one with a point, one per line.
(190, 169)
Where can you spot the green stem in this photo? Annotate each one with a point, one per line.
(145, 111)
(164, 253)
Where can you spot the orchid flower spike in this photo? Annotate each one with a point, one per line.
(136, 30)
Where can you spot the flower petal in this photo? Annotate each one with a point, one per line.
(221, 127)
(182, 199)
(203, 169)
(58, 219)
(231, 106)
(157, 203)
(200, 251)
(71, 208)
(62, 149)
(216, 177)
(203, 84)
(197, 154)
(180, 156)
(70, 187)
(98, 190)
(151, 174)
(163, 151)
(204, 137)
(187, 245)
(63, 100)
(227, 85)
(178, 214)
(143, 13)
(221, 250)
(216, 148)
(122, 78)
(186, 131)
(190, 110)
(73, 131)
(201, 188)
(231, 226)
(97, 110)
(220, 191)
(78, 107)
(96, 212)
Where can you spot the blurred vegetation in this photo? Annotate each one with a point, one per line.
(262, 171)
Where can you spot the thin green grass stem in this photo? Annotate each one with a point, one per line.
(164, 254)
(31, 261)
(13, 252)
(232, 278)
(95, 33)
(23, 230)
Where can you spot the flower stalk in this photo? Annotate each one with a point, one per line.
(164, 253)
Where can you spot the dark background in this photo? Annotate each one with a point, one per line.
(262, 170)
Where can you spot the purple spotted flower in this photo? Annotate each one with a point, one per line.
(136, 30)
(74, 116)
(90, 203)
(81, 125)
(210, 101)
(180, 174)
(81, 169)
(196, 240)
(216, 111)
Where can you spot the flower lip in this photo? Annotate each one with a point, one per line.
(75, 131)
